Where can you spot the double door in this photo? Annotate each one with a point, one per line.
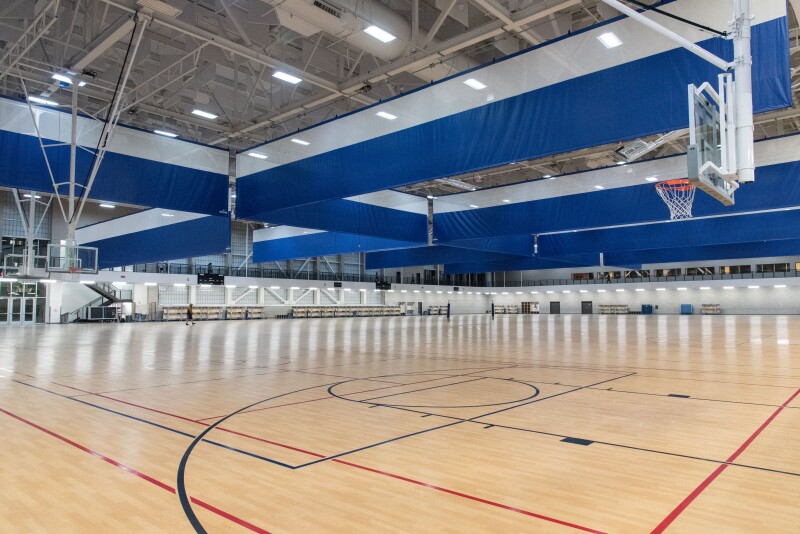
(15, 310)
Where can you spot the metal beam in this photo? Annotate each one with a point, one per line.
(438, 23)
(30, 36)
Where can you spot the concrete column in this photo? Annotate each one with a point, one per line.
(192, 294)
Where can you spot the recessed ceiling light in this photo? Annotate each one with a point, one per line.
(379, 34)
(651, 179)
(550, 292)
(473, 206)
(681, 289)
(599, 187)
(753, 287)
(81, 84)
(167, 215)
(257, 155)
(661, 289)
(475, 84)
(620, 290)
(44, 102)
(546, 176)
(286, 77)
(62, 78)
(506, 200)
(583, 291)
(431, 197)
(727, 287)
(601, 290)
(639, 289)
(165, 133)
(300, 142)
(704, 288)
(609, 40)
(204, 114)
(621, 162)
(387, 116)
(779, 286)
(108, 206)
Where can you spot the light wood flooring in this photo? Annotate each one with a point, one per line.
(522, 424)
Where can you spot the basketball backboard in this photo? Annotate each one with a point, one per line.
(712, 141)
(71, 259)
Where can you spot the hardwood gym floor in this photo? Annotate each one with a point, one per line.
(522, 424)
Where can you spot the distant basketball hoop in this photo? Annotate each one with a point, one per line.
(678, 195)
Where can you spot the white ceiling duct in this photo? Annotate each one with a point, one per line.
(338, 18)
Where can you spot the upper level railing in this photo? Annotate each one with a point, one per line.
(251, 272)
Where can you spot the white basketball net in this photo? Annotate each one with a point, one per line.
(678, 195)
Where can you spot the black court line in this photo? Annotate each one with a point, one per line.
(457, 422)
(343, 376)
(424, 389)
(689, 397)
(578, 441)
(193, 382)
(162, 427)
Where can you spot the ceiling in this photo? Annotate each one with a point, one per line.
(220, 56)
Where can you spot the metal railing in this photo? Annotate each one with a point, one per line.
(249, 272)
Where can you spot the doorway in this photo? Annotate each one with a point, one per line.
(21, 303)
(555, 307)
(586, 307)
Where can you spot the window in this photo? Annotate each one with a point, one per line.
(609, 275)
(735, 269)
(699, 271)
(643, 273)
(582, 276)
(772, 268)
(668, 272)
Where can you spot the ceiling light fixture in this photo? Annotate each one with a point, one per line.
(300, 142)
(473, 206)
(108, 206)
(204, 114)
(165, 133)
(286, 77)
(387, 116)
(62, 78)
(257, 155)
(44, 102)
(379, 34)
(475, 84)
(609, 40)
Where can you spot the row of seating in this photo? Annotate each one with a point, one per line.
(213, 313)
(302, 312)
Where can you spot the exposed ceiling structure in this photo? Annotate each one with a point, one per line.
(221, 56)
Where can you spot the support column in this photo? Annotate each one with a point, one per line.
(73, 148)
(261, 299)
(743, 92)
(30, 233)
(192, 294)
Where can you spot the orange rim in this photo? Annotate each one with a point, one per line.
(681, 184)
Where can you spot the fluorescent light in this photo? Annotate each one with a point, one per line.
(622, 162)
(681, 289)
(639, 289)
(257, 155)
(27, 195)
(48, 281)
(651, 179)
(438, 292)
(230, 286)
(753, 287)
(475, 84)
(473, 206)
(534, 292)
(403, 291)
(599, 187)
(165, 133)
(519, 292)
(780, 286)
(81, 84)
(347, 289)
(150, 284)
(300, 142)
(415, 291)
(620, 290)
(204, 114)
(286, 77)
(609, 40)
(37, 100)
(252, 287)
(704, 288)
(601, 290)
(387, 116)
(583, 291)
(506, 200)
(550, 292)
(566, 291)
(727, 287)
(379, 34)
(8, 279)
(62, 78)
(108, 206)
(167, 215)
(179, 285)
(274, 287)
(505, 292)
(478, 293)
(547, 176)
(661, 289)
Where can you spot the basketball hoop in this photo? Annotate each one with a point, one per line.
(74, 270)
(678, 195)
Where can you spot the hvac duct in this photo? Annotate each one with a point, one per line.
(347, 19)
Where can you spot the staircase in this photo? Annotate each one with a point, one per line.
(108, 295)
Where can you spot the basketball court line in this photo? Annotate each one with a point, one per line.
(687, 397)
(341, 376)
(670, 518)
(139, 474)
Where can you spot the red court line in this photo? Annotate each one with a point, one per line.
(667, 521)
(139, 474)
(384, 473)
(472, 497)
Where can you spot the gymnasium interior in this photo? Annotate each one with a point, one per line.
(394, 266)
